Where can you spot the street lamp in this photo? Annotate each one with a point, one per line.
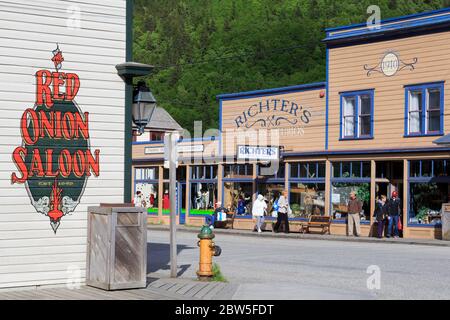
(144, 104)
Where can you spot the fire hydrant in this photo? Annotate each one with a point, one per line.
(207, 250)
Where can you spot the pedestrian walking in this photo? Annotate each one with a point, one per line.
(394, 209)
(258, 209)
(380, 214)
(282, 214)
(354, 209)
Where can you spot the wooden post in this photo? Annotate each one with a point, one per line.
(373, 173)
(160, 191)
(172, 158)
(219, 184)
(327, 187)
(405, 198)
(187, 191)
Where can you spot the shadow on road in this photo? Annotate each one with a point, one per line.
(158, 257)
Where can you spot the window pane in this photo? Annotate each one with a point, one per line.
(414, 168)
(365, 105)
(321, 173)
(434, 121)
(312, 170)
(345, 169)
(148, 197)
(294, 170)
(303, 170)
(349, 106)
(307, 199)
(349, 116)
(439, 168)
(340, 193)
(349, 126)
(364, 126)
(238, 196)
(366, 169)
(356, 169)
(426, 201)
(336, 169)
(434, 99)
(415, 111)
(203, 198)
(426, 168)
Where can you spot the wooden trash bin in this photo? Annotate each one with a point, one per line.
(117, 247)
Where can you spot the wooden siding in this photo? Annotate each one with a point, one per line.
(30, 252)
(297, 137)
(346, 73)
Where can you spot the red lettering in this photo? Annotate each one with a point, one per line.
(93, 164)
(65, 163)
(36, 164)
(46, 124)
(82, 125)
(49, 164)
(43, 88)
(34, 123)
(19, 155)
(72, 86)
(58, 80)
(79, 163)
(68, 125)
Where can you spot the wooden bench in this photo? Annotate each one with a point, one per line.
(323, 222)
(227, 224)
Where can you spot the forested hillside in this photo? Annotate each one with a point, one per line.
(202, 48)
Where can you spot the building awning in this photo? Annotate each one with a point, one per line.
(445, 140)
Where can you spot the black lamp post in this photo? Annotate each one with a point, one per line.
(144, 104)
(127, 71)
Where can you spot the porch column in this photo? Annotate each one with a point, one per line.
(160, 191)
(327, 187)
(255, 167)
(405, 198)
(373, 173)
(188, 189)
(219, 183)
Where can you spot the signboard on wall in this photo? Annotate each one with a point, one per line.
(390, 64)
(258, 153)
(55, 161)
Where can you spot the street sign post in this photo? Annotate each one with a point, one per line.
(171, 162)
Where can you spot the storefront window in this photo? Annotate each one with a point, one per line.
(426, 201)
(150, 173)
(271, 192)
(354, 169)
(238, 197)
(307, 199)
(340, 193)
(308, 170)
(238, 171)
(149, 196)
(272, 170)
(204, 172)
(428, 190)
(166, 199)
(203, 198)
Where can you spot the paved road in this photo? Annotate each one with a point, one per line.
(267, 268)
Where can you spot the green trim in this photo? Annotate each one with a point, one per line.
(194, 212)
(128, 101)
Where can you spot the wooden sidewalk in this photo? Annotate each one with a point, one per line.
(157, 289)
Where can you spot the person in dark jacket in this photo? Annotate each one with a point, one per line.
(380, 214)
(394, 209)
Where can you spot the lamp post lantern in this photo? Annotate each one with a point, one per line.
(144, 104)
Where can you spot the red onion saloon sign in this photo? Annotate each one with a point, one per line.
(55, 159)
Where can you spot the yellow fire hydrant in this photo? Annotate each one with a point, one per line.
(207, 250)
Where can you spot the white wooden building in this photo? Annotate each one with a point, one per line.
(43, 235)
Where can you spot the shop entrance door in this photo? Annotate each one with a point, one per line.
(181, 202)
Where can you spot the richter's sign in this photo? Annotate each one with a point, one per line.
(258, 153)
(272, 113)
(55, 159)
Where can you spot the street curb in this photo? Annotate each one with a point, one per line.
(268, 234)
